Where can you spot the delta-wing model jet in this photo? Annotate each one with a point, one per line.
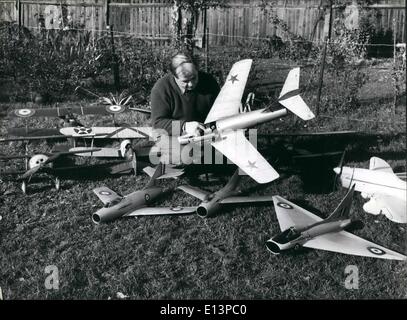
(302, 228)
(224, 125)
(135, 203)
(228, 195)
(386, 191)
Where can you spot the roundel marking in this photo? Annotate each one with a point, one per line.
(82, 130)
(147, 197)
(114, 108)
(105, 193)
(376, 251)
(284, 205)
(24, 112)
(177, 208)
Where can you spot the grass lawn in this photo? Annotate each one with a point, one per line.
(188, 257)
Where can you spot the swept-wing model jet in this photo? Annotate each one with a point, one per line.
(302, 228)
(224, 125)
(213, 202)
(386, 191)
(135, 203)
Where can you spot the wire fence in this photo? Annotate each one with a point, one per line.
(198, 35)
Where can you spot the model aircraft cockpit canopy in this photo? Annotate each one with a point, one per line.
(112, 203)
(287, 235)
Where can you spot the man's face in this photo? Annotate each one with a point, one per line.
(186, 76)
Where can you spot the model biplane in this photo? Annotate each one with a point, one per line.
(56, 165)
(69, 112)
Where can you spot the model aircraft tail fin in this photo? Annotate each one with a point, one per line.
(290, 96)
(159, 171)
(162, 172)
(343, 209)
(234, 181)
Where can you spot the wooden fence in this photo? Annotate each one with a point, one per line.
(238, 20)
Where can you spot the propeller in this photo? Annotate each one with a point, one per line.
(52, 157)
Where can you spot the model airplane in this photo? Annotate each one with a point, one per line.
(45, 163)
(224, 126)
(213, 202)
(136, 203)
(61, 112)
(386, 191)
(302, 228)
(38, 163)
(108, 132)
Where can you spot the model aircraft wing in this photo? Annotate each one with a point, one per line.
(195, 192)
(150, 211)
(102, 152)
(43, 112)
(105, 194)
(240, 151)
(291, 215)
(228, 101)
(290, 96)
(378, 164)
(169, 172)
(298, 106)
(348, 243)
(392, 207)
(253, 199)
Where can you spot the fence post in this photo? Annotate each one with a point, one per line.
(206, 38)
(395, 75)
(107, 12)
(321, 74)
(18, 8)
(115, 62)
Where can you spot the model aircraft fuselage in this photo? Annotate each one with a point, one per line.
(294, 238)
(121, 206)
(212, 203)
(246, 120)
(386, 191)
(369, 182)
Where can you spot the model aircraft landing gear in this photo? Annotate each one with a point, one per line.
(24, 187)
(57, 184)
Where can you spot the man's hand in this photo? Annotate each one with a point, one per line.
(194, 128)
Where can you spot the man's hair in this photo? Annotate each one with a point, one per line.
(179, 59)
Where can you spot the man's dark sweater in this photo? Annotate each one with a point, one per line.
(169, 104)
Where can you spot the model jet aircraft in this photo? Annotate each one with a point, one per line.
(302, 228)
(386, 191)
(213, 202)
(136, 203)
(224, 125)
